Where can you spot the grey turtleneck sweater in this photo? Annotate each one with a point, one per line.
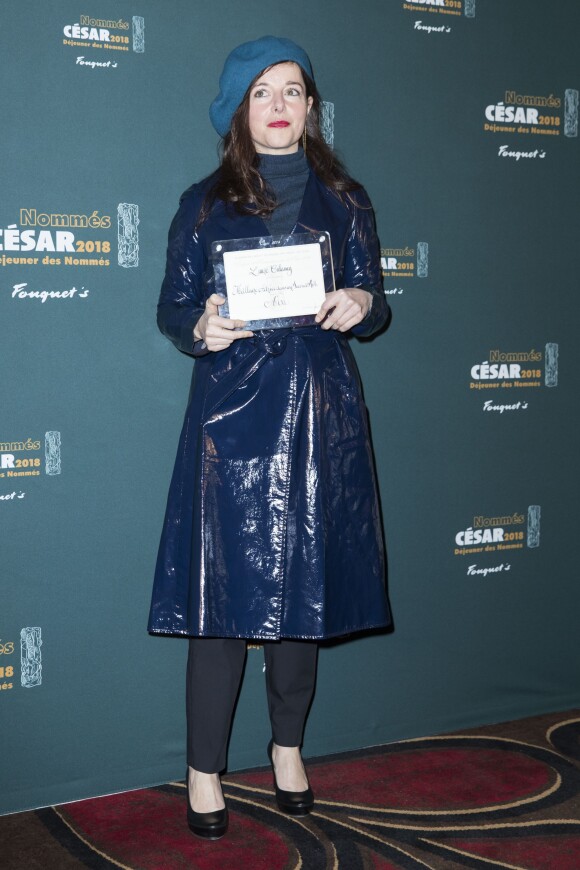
(286, 175)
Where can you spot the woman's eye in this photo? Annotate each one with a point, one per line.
(260, 92)
(293, 92)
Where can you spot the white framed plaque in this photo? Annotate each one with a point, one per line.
(273, 281)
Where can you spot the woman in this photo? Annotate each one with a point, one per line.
(272, 529)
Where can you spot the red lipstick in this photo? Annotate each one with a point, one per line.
(279, 124)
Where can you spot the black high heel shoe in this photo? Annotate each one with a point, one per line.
(295, 803)
(210, 826)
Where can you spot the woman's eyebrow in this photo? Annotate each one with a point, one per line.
(268, 84)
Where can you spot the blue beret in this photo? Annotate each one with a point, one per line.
(242, 66)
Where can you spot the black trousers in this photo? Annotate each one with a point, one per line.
(214, 672)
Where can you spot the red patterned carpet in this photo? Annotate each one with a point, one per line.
(498, 796)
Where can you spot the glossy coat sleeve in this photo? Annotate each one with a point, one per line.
(363, 264)
(182, 297)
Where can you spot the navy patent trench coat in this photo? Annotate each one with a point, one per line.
(272, 526)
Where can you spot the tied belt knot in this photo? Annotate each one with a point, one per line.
(250, 355)
(274, 343)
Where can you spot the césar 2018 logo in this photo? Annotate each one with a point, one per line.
(98, 33)
(515, 370)
(503, 532)
(78, 238)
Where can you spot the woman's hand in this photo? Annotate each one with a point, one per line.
(347, 307)
(218, 332)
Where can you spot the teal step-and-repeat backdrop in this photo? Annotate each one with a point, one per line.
(460, 117)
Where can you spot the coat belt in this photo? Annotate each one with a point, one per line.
(265, 344)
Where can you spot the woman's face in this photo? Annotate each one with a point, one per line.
(278, 107)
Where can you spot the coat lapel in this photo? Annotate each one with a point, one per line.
(228, 224)
(322, 210)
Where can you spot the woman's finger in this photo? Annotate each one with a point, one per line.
(345, 311)
(218, 338)
(212, 304)
(329, 302)
(221, 330)
(224, 322)
(345, 325)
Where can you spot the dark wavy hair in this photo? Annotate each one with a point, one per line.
(238, 179)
